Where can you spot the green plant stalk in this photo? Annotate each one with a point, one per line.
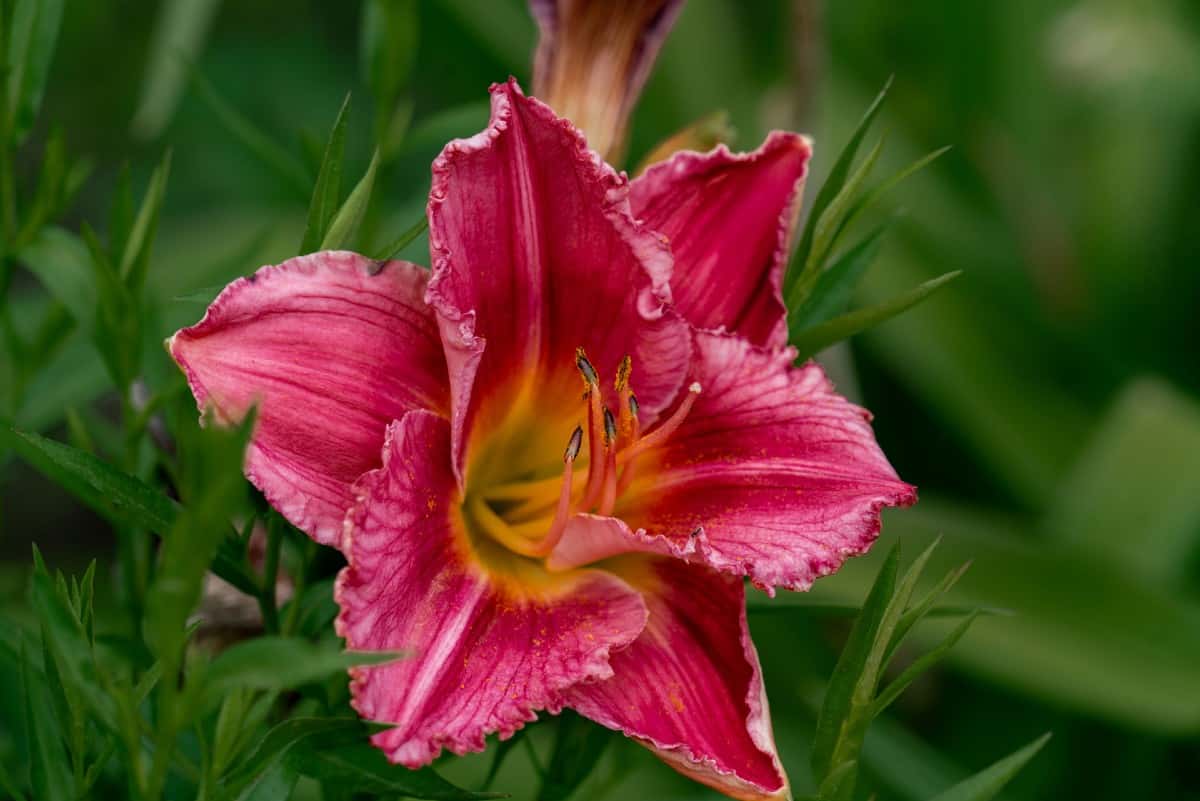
(266, 594)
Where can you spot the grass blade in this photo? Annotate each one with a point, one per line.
(345, 224)
(984, 786)
(813, 340)
(327, 191)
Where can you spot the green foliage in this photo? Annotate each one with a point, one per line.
(852, 697)
(986, 784)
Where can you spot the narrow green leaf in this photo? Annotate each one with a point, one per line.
(258, 143)
(35, 25)
(179, 33)
(9, 785)
(47, 197)
(1140, 473)
(829, 227)
(61, 263)
(49, 770)
(984, 786)
(327, 191)
(118, 496)
(344, 226)
(919, 666)
(360, 767)
(829, 190)
(274, 745)
(578, 746)
(71, 651)
(813, 340)
(277, 783)
(839, 783)
(281, 663)
(913, 615)
(871, 198)
(388, 48)
(405, 239)
(503, 749)
(850, 665)
(832, 291)
(211, 481)
(135, 259)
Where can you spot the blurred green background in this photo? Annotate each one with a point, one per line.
(1046, 403)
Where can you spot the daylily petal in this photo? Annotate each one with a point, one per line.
(729, 218)
(332, 347)
(486, 652)
(536, 254)
(690, 687)
(781, 476)
(593, 59)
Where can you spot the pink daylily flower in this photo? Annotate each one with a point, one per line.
(551, 461)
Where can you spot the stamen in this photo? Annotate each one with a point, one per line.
(595, 435)
(574, 444)
(563, 512)
(609, 499)
(623, 371)
(660, 434)
(590, 376)
(610, 428)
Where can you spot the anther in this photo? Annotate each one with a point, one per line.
(633, 405)
(574, 444)
(623, 371)
(610, 428)
(585, 367)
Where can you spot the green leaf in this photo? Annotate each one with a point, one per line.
(344, 226)
(179, 34)
(135, 258)
(258, 143)
(360, 767)
(405, 239)
(871, 198)
(986, 784)
(830, 295)
(272, 748)
(211, 479)
(919, 610)
(829, 227)
(825, 196)
(388, 47)
(277, 783)
(919, 666)
(578, 746)
(49, 769)
(281, 663)
(813, 340)
(835, 709)
(1140, 473)
(9, 785)
(118, 496)
(35, 25)
(1130, 655)
(327, 191)
(61, 263)
(72, 652)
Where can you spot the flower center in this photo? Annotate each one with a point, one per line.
(529, 517)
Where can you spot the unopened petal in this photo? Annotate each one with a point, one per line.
(593, 59)
(690, 687)
(487, 653)
(729, 218)
(331, 347)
